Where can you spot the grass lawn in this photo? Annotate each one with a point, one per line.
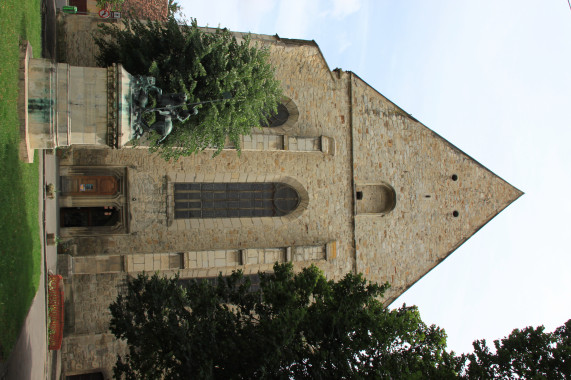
(20, 255)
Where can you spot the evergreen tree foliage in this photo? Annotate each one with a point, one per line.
(301, 326)
(295, 326)
(204, 65)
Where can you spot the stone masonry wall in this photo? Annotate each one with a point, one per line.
(82, 354)
(390, 147)
(88, 345)
(323, 107)
(75, 44)
(442, 197)
(87, 300)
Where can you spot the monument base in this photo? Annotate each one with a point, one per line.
(61, 105)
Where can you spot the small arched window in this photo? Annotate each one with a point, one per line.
(375, 199)
(277, 118)
(234, 200)
(283, 119)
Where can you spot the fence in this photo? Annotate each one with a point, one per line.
(55, 310)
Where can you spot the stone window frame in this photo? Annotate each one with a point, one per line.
(276, 119)
(119, 200)
(289, 124)
(184, 224)
(385, 211)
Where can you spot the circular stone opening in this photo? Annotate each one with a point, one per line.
(276, 119)
(454, 177)
(455, 213)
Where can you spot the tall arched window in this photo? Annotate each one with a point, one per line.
(234, 200)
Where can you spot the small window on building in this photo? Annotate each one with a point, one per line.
(282, 119)
(375, 199)
(277, 118)
(234, 200)
(89, 185)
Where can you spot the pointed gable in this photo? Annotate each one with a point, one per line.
(441, 195)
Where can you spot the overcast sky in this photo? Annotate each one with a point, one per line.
(493, 78)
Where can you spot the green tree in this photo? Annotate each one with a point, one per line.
(113, 4)
(204, 65)
(294, 326)
(530, 353)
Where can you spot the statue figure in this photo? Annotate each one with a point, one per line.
(164, 127)
(142, 87)
(169, 106)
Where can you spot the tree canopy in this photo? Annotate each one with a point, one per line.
(204, 65)
(302, 326)
(293, 326)
(529, 353)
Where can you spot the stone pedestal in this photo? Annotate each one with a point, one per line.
(61, 105)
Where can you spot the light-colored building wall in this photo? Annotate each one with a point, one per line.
(322, 101)
(393, 148)
(346, 137)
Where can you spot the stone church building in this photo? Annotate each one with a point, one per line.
(343, 179)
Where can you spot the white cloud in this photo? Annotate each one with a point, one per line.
(343, 8)
(295, 18)
(236, 15)
(343, 42)
(255, 13)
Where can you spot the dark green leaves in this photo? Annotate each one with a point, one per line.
(530, 353)
(297, 325)
(205, 65)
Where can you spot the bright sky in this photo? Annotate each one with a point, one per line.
(493, 78)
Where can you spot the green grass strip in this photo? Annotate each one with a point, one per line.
(20, 252)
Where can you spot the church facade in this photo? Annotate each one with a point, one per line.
(343, 179)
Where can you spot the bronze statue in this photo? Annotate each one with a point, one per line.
(169, 106)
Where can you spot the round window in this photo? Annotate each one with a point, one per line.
(275, 119)
(286, 199)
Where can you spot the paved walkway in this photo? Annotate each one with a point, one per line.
(30, 358)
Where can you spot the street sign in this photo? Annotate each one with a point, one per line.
(104, 13)
(69, 9)
(115, 14)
